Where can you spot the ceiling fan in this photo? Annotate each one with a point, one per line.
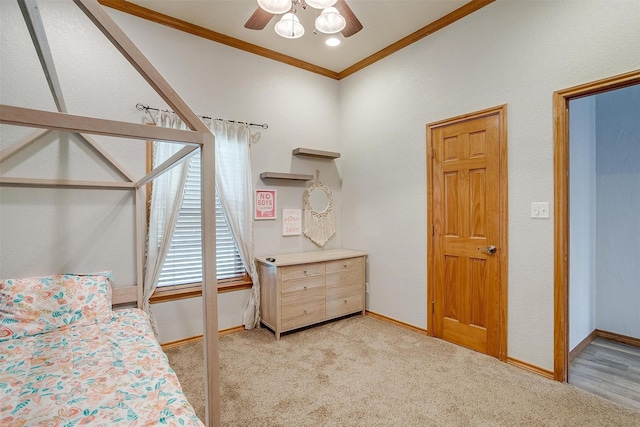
(336, 16)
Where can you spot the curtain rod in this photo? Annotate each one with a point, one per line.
(141, 107)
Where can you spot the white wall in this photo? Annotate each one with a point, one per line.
(582, 220)
(47, 231)
(300, 109)
(183, 318)
(618, 221)
(510, 52)
(42, 230)
(582, 208)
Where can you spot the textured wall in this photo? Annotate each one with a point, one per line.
(47, 231)
(300, 109)
(582, 220)
(516, 53)
(618, 207)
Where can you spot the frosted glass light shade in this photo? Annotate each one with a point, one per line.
(330, 21)
(275, 6)
(321, 4)
(289, 26)
(332, 42)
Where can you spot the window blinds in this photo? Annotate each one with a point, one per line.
(183, 264)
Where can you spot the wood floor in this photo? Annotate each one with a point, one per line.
(609, 369)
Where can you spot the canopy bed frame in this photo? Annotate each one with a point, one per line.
(197, 137)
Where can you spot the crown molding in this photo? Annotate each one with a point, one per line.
(196, 30)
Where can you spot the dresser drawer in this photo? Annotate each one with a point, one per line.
(302, 285)
(303, 309)
(347, 277)
(344, 265)
(344, 300)
(291, 272)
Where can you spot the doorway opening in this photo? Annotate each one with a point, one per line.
(604, 244)
(575, 240)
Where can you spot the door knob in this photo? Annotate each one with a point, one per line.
(490, 250)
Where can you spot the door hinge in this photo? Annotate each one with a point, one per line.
(433, 152)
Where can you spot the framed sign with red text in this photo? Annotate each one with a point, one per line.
(265, 204)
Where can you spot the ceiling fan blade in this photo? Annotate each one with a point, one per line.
(258, 20)
(353, 24)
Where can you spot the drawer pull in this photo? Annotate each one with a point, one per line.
(305, 288)
(305, 311)
(346, 266)
(345, 301)
(305, 272)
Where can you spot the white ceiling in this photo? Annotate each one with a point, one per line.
(384, 21)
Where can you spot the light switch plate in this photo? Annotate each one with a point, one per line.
(540, 210)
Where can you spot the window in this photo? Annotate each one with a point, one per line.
(183, 264)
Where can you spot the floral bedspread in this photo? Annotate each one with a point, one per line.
(110, 373)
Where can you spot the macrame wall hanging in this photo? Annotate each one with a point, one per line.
(319, 219)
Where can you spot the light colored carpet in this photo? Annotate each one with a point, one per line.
(361, 371)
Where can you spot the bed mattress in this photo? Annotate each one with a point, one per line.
(106, 373)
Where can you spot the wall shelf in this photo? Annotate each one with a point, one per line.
(310, 152)
(283, 175)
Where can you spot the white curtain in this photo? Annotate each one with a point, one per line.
(166, 198)
(235, 191)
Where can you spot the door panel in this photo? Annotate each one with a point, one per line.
(465, 211)
(452, 220)
(478, 298)
(451, 297)
(477, 203)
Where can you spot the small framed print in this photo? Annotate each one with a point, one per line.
(291, 222)
(265, 204)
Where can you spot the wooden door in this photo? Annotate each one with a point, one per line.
(466, 242)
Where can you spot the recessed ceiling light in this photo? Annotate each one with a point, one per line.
(332, 42)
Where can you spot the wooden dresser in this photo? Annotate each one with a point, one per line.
(301, 289)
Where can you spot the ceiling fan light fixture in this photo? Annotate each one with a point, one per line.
(289, 26)
(275, 6)
(330, 21)
(320, 4)
(332, 42)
